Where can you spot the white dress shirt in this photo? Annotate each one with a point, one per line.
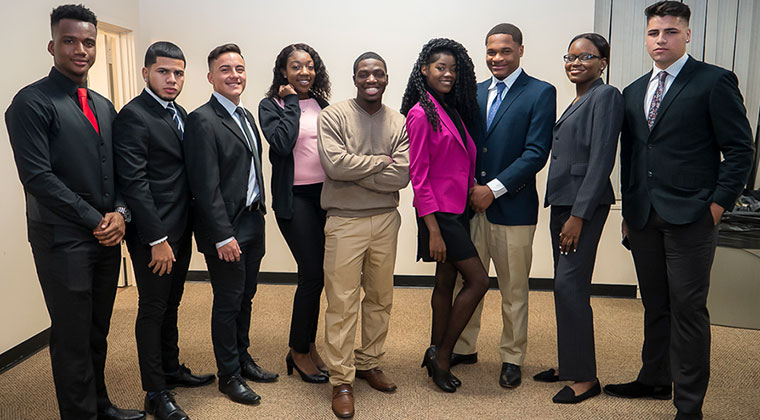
(495, 185)
(672, 72)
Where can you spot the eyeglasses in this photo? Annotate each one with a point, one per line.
(585, 57)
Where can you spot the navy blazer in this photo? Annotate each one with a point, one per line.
(583, 151)
(516, 147)
(676, 167)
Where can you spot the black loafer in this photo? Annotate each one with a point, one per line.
(549, 375)
(510, 376)
(463, 359)
(250, 370)
(567, 396)
(163, 407)
(637, 389)
(237, 390)
(185, 378)
(115, 413)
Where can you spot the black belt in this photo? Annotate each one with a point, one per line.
(256, 206)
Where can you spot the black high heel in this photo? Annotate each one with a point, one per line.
(317, 378)
(442, 378)
(454, 380)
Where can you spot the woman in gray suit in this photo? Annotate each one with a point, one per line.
(580, 193)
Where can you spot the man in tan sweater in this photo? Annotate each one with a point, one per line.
(364, 151)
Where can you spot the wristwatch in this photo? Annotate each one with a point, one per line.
(125, 213)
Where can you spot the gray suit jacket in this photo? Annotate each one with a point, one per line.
(584, 145)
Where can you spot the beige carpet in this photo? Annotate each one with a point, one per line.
(26, 391)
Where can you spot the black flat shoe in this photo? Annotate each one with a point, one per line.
(442, 378)
(185, 378)
(237, 390)
(567, 396)
(250, 370)
(163, 407)
(115, 413)
(463, 359)
(317, 378)
(549, 375)
(637, 389)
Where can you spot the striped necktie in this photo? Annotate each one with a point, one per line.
(175, 117)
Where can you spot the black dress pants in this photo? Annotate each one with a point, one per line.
(156, 326)
(305, 235)
(78, 277)
(673, 268)
(234, 285)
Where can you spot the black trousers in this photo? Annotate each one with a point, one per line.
(673, 268)
(576, 353)
(78, 277)
(156, 326)
(305, 235)
(234, 285)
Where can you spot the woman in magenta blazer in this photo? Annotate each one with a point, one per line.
(439, 103)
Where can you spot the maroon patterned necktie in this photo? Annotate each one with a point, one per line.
(656, 99)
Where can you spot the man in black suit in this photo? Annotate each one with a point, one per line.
(223, 155)
(60, 133)
(678, 120)
(151, 174)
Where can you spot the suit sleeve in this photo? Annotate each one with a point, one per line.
(280, 126)
(396, 175)
(204, 176)
(538, 141)
(734, 137)
(131, 148)
(420, 132)
(607, 121)
(29, 121)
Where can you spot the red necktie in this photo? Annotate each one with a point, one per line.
(82, 93)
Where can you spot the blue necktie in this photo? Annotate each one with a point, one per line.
(495, 104)
(175, 117)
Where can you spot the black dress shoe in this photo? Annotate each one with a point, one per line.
(510, 376)
(463, 359)
(567, 396)
(115, 413)
(549, 375)
(442, 378)
(317, 378)
(637, 389)
(250, 370)
(454, 380)
(185, 378)
(237, 390)
(163, 407)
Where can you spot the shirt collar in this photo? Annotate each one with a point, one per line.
(160, 101)
(63, 82)
(508, 81)
(672, 69)
(226, 103)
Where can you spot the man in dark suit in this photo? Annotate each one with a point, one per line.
(679, 118)
(151, 174)
(223, 155)
(60, 133)
(513, 134)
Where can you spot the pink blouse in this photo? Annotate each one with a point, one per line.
(308, 169)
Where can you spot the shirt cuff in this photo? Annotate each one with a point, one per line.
(224, 242)
(154, 243)
(497, 188)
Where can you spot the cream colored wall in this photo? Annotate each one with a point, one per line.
(26, 30)
(340, 30)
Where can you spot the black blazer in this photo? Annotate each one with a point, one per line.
(583, 151)
(150, 169)
(280, 127)
(65, 166)
(676, 167)
(218, 163)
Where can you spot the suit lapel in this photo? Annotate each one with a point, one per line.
(513, 93)
(446, 121)
(683, 78)
(161, 113)
(483, 101)
(574, 107)
(228, 122)
(638, 93)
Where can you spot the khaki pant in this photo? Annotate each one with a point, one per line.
(359, 253)
(511, 249)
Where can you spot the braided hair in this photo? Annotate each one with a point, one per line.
(320, 90)
(463, 95)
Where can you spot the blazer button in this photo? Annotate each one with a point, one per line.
(650, 174)
(483, 173)
(554, 157)
(485, 150)
(650, 146)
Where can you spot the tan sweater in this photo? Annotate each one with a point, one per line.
(356, 149)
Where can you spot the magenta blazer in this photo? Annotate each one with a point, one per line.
(441, 165)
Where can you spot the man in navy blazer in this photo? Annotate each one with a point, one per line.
(679, 119)
(513, 134)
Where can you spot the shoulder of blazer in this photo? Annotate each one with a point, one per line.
(637, 84)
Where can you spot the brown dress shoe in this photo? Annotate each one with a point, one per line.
(376, 379)
(343, 401)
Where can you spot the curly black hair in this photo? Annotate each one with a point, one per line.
(463, 95)
(320, 90)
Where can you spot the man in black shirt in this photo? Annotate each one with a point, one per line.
(60, 133)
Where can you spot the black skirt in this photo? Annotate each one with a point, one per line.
(455, 230)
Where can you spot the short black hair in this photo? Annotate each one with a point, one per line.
(368, 55)
(668, 8)
(225, 48)
(599, 42)
(72, 11)
(163, 49)
(508, 29)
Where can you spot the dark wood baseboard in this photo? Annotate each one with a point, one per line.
(607, 290)
(24, 350)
